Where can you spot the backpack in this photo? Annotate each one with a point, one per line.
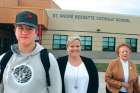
(44, 59)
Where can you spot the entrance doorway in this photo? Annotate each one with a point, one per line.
(7, 37)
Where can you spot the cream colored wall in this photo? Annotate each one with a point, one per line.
(47, 39)
(86, 27)
(92, 24)
(96, 38)
(138, 47)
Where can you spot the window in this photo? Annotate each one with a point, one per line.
(86, 42)
(108, 43)
(133, 43)
(59, 41)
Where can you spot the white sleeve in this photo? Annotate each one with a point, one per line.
(1, 56)
(55, 78)
(1, 84)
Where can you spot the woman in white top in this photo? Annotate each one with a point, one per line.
(121, 75)
(79, 74)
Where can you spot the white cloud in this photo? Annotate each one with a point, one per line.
(131, 7)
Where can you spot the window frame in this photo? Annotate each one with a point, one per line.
(110, 45)
(130, 42)
(62, 42)
(84, 45)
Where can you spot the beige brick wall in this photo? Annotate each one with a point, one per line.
(57, 24)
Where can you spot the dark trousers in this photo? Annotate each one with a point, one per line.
(122, 92)
(107, 91)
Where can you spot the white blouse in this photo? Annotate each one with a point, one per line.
(125, 66)
(76, 78)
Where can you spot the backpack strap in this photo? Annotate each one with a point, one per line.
(46, 64)
(4, 62)
(44, 59)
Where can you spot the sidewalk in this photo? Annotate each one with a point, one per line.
(102, 82)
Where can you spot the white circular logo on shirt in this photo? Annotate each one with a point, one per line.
(22, 73)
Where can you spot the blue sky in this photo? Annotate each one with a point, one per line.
(127, 7)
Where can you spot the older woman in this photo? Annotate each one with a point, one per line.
(121, 75)
(79, 74)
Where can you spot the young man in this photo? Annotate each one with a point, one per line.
(24, 72)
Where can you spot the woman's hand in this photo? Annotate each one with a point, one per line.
(126, 85)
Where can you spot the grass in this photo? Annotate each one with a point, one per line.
(103, 66)
(138, 68)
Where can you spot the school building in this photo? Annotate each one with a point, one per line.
(100, 33)
(8, 10)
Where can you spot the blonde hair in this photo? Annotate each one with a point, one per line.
(72, 38)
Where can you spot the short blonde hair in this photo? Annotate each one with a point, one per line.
(72, 38)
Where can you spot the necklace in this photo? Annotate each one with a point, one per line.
(76, 79)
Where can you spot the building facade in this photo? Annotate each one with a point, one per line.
(8, 10)
(100, 33)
